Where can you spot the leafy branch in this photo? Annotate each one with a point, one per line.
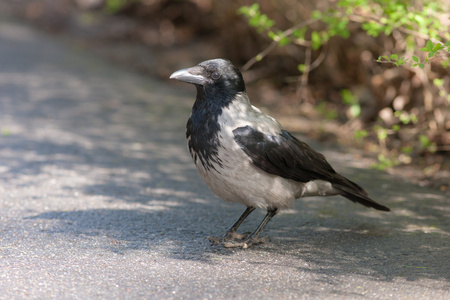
(395, 16)
(409, 24)
(261, 22)
(431, 48)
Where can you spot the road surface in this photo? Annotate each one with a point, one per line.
(100, 199)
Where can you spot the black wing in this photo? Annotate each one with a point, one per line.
(283, 155)
(286, 156)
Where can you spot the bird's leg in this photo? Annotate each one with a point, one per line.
(232, 234)
(253, 238)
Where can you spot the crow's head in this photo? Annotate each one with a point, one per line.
(213, 77)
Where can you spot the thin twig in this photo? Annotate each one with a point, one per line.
(305, 75)
(274, 44)
(319, 59)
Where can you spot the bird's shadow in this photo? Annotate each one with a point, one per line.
(410, 242)
(328, 236)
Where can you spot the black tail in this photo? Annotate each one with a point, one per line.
(355, 193)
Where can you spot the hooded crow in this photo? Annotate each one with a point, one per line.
(246, 156)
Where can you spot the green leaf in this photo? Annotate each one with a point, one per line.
(437, 47)
(316, 40)
(278, 37)
(421, 21)
(272, 35)
(372, 28)
(300, 33)
(415, 58)
(424, 141)
(355, 110)
(254, 7)
(384, 20)
(244, 10)
(438, 82)
(284, 41)
(301, 67)
(348, 97)
(249, 11)
(324, 37)
(404, 118)
(384, 162)
(393, 56)
(382, 134)
(407, 150)
(254, 21)
(428, 47)
(359, 134)
(316, 14)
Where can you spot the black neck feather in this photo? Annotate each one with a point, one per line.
(203, 127)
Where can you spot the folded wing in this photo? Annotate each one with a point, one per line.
(286, 156)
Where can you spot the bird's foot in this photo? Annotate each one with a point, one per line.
(230, 237)
(247, 243)
(233, 235)
(238, 240)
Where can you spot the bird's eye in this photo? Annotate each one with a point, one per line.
(215, 75)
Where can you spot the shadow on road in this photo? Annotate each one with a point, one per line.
(107, 149)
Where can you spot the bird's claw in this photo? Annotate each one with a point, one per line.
(229, 237)
(215, 240)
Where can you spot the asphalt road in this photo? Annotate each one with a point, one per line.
(99, 199)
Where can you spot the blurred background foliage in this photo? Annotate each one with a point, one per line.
(370, 73)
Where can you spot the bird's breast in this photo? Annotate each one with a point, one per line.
(230, 173)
